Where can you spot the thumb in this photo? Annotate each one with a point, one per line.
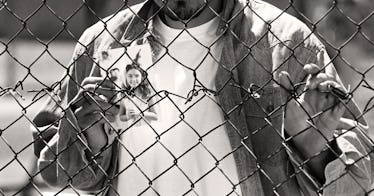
(314, 69)
(321, 59)
(114, 74)
(285, 80)
(95, 70)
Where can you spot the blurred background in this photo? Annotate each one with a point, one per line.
(37, 38)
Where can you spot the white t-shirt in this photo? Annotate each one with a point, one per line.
(180, 124)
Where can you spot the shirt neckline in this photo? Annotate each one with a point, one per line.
(168, 34)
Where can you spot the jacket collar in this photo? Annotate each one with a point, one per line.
(118, 33)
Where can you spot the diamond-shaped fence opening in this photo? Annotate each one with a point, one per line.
(186, 97)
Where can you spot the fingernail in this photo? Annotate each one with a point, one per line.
(339, 93)
(103, 98)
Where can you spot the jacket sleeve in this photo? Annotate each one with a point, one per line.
(64, 158)
(351, 173)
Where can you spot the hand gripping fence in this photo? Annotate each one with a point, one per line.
(49, 143)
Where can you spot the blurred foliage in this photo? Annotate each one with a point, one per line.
(343, 21)
(54, 19)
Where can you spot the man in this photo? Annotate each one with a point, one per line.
(249, 100)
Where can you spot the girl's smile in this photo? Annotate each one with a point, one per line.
(133, 78)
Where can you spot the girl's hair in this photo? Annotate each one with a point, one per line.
(144, 86)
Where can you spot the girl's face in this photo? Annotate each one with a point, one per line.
(133, 78)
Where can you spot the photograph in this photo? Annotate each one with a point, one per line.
(186, 98)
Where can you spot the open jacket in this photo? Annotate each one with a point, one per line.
(259, 42)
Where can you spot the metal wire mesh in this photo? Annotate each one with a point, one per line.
(168, 137)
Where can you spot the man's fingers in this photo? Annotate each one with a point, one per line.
(108, 93)
(114, 74)
(285, 80)
(312, 69)
(103, 82)
(99, 86)
(92, 80)
(329, 99)
(107, 107)
(326, 86)
(314, 81)
(95, 70)
(95, 106)
(321, 59)
(335, 89)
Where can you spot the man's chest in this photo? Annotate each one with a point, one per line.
(186, 67)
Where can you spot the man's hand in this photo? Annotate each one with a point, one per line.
(93, 107)
(93, 101)
(312, 117)
(133, 113)
(317, 106)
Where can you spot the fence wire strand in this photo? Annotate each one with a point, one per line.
(263, 104)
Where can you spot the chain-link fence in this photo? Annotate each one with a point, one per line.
(234, 98)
